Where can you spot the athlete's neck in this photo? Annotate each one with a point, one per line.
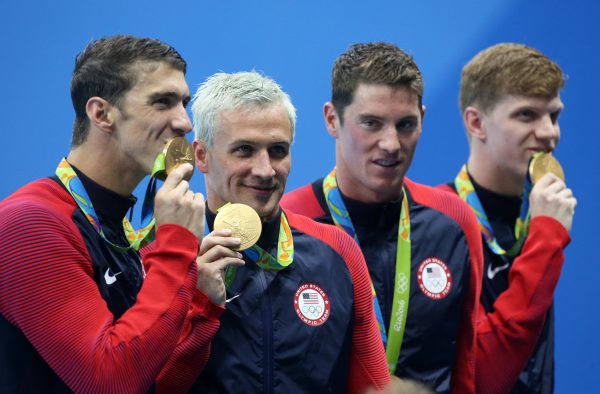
(103, 167)
(495, 179)
(356, 190)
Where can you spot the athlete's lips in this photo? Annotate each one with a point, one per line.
(262, 189)
(534, 150)
(387, 163)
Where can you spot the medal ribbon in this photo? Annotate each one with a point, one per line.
(466, 192)
(262, 258)
(285, 250)
(136, 239)
(395, 334)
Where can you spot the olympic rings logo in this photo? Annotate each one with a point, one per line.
(312, 310)
(402, 283)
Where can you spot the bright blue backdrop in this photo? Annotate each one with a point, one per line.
(295, 42)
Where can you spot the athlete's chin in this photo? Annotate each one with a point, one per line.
(267, 208)
(267, 212)
(388, 189)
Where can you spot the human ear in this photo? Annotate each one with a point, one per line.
(473, 119)
(100, 113)
(332, 121)
(201, 155)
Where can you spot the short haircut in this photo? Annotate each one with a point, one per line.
(508, 69)
(109, 67)
(243, 91)
(374, 63)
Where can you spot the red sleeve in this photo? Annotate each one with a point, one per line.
(465, 362)
(508, 335)
(48, 291)
(191, 354)
(367, 364)
(303, 202)
(464, 368)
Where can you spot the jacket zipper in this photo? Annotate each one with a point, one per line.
(267, 317)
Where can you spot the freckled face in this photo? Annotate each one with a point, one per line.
(516, 128)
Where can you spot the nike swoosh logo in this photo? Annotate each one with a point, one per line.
(492, 272)
(110, 279)
(232, 298)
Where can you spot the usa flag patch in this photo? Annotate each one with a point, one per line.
(434, 278)
(312, 304)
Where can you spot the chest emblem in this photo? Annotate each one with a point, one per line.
(312, 304)
(110, 279)
(434, 278)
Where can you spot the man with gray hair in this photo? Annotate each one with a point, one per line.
(299, 312)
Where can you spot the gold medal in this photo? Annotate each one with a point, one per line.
(177, 151)
(542, 164)
(242, 220)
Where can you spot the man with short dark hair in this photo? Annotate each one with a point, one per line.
(421, 245)
(299, 315)
(80, 309)
(510, 103)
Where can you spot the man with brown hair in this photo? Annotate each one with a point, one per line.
(509, 98)
(81, 310)
(421, 245)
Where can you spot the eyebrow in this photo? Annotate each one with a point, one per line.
(373, 116)
(250, 142)
(170, 95)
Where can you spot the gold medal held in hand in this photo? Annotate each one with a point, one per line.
(242, 220)
(177, 151)
(543, 163)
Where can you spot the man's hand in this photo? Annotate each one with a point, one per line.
(551, 197)
(216, 255)
(175, 203)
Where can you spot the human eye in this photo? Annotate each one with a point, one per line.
(279, 151)
(243, 150)
(407, 124)
(162, 102)
(526, 115)
(554, 116)
(371, 124)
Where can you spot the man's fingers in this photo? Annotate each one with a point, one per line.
(219, 265)
(175, 177)
(217, 252)
(181, 188)
(225, 262)
(548, 184)
(224, 232)
(565, 193)
(219, 238)
(547, 180)
(199, 199)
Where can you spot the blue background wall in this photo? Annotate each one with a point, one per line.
(295, 43)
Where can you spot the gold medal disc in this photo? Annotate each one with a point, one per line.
(178, 151)
(542, 164)
(242, 220)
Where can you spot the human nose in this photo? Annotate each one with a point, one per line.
(389, 141)
(548, 131)
(181, 120)
(262, 166)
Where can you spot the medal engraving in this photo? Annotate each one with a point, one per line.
(242, 220)
(542, 164)
(177, 151)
